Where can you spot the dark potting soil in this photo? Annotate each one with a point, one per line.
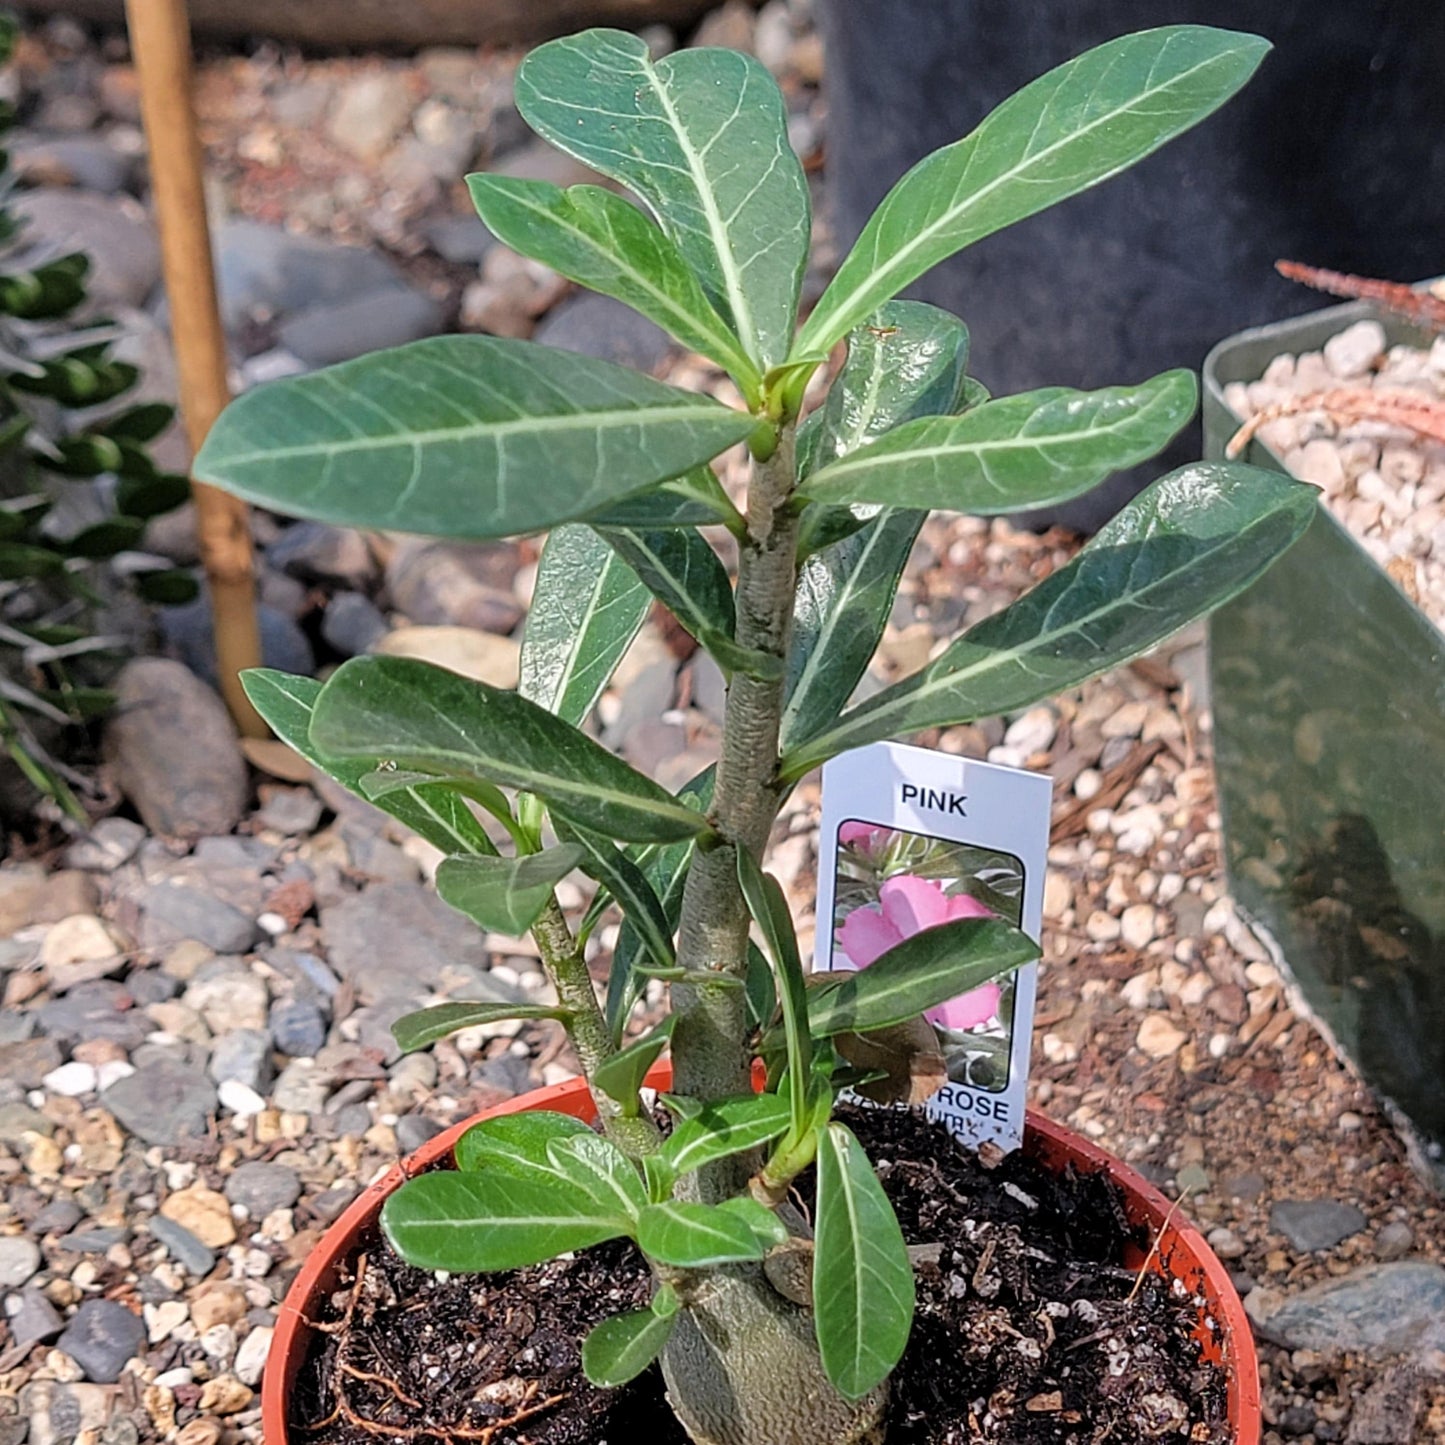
(1029, 1330)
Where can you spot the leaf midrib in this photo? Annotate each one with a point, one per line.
(904, 253)
(588, 421)
(876, 454)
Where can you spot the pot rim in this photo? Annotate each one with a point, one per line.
(1181, 1251)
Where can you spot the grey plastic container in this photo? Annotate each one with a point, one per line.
(1328, 691)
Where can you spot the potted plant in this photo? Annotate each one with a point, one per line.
(763, 1339)
(1331, 827)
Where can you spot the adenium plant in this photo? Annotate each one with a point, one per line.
(771, 1329)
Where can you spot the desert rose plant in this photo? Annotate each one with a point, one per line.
(770, 1330)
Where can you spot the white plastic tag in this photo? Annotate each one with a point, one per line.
(912, 838)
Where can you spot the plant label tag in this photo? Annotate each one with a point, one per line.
(912, 838)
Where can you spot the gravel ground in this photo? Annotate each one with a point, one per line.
(196, 1073)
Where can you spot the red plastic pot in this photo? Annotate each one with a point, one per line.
(1182, 1254)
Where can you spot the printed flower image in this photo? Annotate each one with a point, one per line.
(892, 884)
(907, 905)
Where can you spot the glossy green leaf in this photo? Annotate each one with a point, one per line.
(602, 1169)
(693, 1236)
(844, 598)
(683, 572)
(433, 810)
(906, 361)
(764, 1222)
(621, 1076)
(665, 870)
(505, 895)
(22, 560)
(863, 1292)
(517, 1142)
(1030, 450)
(1083, 122)
(603, 860)
(695, 499)
(621, 1348)
(1184, 546)
(769, 908)
(920, 973)
(603, 242)
(701, 136)
(387, 780)
(419, 1030)
(461, 436)
(426, 718)
(490, 1219)
(587, 606)
(729, 1126)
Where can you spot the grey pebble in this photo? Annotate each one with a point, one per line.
(244, 1057)
(95, 1240)
(164, 1102)
(59, 1216)
(109, 844)
(101, 1338)
(36, 1319)
(352, 624)
(260, 1188)
(19, 1260)
(1380, 1309)
(298, 1027)
(171, 913)
(1394, 1240)
(150, 985)
(292, 811)
(184, 1247)
(97, 1010)
(413, 1130)
(1315, 1224)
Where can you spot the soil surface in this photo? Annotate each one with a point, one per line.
(1029, 1329)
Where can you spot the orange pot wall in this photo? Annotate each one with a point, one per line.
(1183, 1254)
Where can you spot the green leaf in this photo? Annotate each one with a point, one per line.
(166, 586)
(907, 361)
(1078, 125)
(587, 606)
(665, 870)
(1024, 451)
(518, 1142)
(105, 539)
(621, 1348)
(844, 598)
(1184, 546)
(387, 780)
(701, 136)
(769, 908)
(694, 1236)
(21, 560)
(683, 572)
(920, 973)
(426, 718)
(728, 1126)
(764, 1223)
(506, 895)
(621, 1076)
(863, 1293)
(461, 436)
(601, 241)
(151, 496)
(493, 1219)
(602, 1169)
(695, 499)
(433, 810)
(629, 887)
(418, 1030)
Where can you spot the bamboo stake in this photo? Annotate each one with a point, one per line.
(161, 44)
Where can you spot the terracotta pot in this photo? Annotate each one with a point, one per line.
(1182, 1254)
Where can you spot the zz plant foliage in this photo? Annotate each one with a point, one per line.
(770, 1329)
(77, 486)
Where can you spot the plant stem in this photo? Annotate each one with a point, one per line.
(588, 1029)
(710, 1057)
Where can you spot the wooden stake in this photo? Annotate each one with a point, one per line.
(160, 39)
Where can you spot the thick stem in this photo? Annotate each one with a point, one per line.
(587, 1028)
(710, 1060)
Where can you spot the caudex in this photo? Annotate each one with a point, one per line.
(771, 1330)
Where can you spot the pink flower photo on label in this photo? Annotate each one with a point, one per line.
(908, 905)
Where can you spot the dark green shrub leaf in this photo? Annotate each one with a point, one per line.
(621, 1348)
(423, 1028)
(461, 436)
(706, 147)
(693, 1236)
(683, 572)
(505, 895)
(1083, 122)
(621, 1076)
(424, 717)
(726, 1127)
(168, 586)
(517, 1141)
(863, 1291)
(1184, 546)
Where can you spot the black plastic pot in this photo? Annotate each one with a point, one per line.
(1331, 155)
(1328, 697)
